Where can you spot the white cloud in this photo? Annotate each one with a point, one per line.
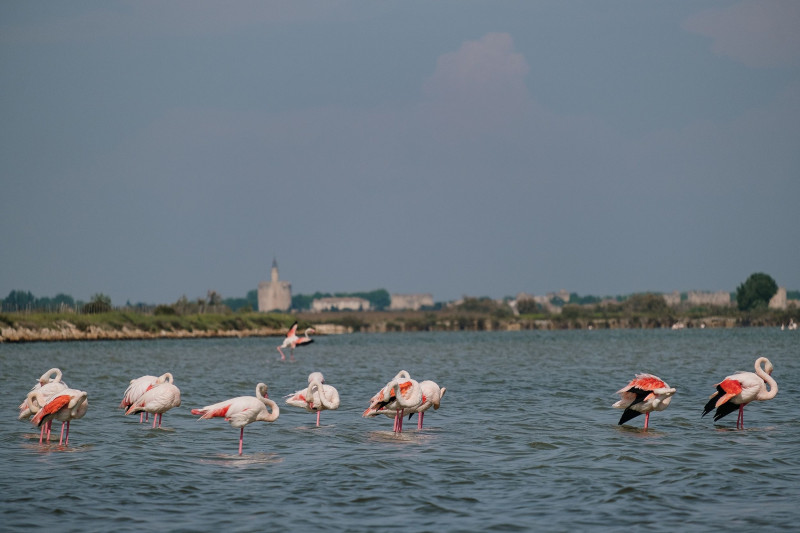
(758, 33)
(478, 88)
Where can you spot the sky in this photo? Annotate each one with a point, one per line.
(151, 150)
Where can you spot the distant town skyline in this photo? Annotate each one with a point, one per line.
(153, 150)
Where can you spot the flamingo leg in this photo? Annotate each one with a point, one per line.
(318, 412)
(141, 417)
(66, 440)
(394, 427)
(41, 432)
(646, 420)
(61, 439)
(160, 416)
(283, 357)
(49, 427)
(419, 419)
(241, 439)
(400, 428)
(155, 418)
(740, 420)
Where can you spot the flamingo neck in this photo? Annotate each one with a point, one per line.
(272, 412)
(773, 385)
(413, 392)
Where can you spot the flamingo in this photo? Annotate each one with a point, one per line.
(65, 405)
(139, 386)
(243, 410)
(399, 394)
(158, 400)
(48, 385)
(431, 397)
(644, 394)
(740, 389)
(316, 397)
(292, 341)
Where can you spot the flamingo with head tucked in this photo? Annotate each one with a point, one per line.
(399, 394)
(64, 406)
(157, 400)
(139, 386)
(644, 394)
(243, 410)
(431, 397)
(292, 341)
(741, 388)
(48, 384)
(317, 397)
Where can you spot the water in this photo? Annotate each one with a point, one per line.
(525, 438)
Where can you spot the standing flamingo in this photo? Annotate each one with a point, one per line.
(47, 385)
(644, 394)
(139, 386)
(292, 341)
(64, 406)
(243, 410)
(399, 394)
(740, 389)
(316, 397)
(158, 400)
(431, 397)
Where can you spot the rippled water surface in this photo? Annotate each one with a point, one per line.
(525, 438)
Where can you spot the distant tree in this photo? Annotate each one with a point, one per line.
(214, 298)
(100, 303)
(528, 306)
(756, 291)
(18, 301)
(647, 302)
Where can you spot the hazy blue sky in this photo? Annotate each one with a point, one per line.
(154, 149)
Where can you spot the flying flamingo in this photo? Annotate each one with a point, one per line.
(64, 406)
(139, 386)
(243, 410)
(316, 397)
(644, 394)
(292, 341)
(399, 394)
(158, 400)
(740, 389)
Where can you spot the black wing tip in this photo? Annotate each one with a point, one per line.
(628, 414)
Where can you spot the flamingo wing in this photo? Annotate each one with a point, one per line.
(292, 331)
(726, 390)
(53, 406)
(212, 411)
(303, 341)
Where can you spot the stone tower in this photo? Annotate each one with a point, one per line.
(274, 295)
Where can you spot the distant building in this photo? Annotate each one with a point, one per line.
(719, 298)
(410, 301)
(274, 295)
(778, 301)
(347, 303)
(673, 299)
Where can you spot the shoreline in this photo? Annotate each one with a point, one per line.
(65, 331)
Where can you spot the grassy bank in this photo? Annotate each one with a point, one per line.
(22, 327)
